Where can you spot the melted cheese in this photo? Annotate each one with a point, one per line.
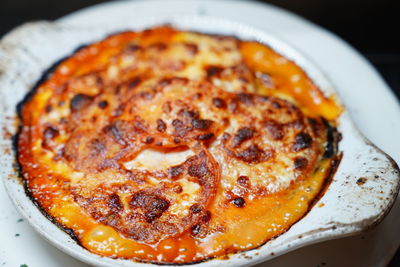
(173, 147)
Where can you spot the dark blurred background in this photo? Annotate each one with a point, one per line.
(371, 26)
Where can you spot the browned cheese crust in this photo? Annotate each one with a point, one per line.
(163, 135)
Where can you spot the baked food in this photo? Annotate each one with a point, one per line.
(173, 147)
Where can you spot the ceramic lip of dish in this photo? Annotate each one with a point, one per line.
(347, 207)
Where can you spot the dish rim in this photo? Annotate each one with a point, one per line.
(321, 80)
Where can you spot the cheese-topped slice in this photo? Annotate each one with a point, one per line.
(174, 147)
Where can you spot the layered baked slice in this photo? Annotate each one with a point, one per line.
(169, 146)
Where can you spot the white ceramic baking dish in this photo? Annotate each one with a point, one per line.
(361, 193)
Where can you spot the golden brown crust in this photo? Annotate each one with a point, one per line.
(164, 136)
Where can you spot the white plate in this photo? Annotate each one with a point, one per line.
(347, 71)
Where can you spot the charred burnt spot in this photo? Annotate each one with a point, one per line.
(313, 122)
(115, 132)
(161, 126)
(243, 181)
(260, 99)
(192, 48)
(134, 83)
(108, 164)
(189, 114)
(300, 163)
(139, 126)
(225, 137)
(254, 154)
(159, 143)
(80, 101)
(225, 121)
(316, 126)
(198, 170)
(180, 128)
(176, 171)
(60, 103)
(177, 189)
(302, 141)
(219, 102)
(152, 205)
(275, 104)
(205, 137)
(274, 129)
(197, 166)
(242, 72)
(149, 140)
(137, 176)
(97, 146)
(205, 217)
(115, 203)
(242, 135)
(118, 111)
(133, 47)
(168, 81)
(93, 119)
(117, 89)
(212, 70)
(333, 137)
(138, 231)
(245, 99)
(146, 95)
(196, 208)
(165, 82)
(48, 108)
(103, 104)
(195, 229)
(239, 202)
(50, 132)
(243, 79)
(159, 46)
(197, 96)
(63, 120)
(99, 81)
(201, 124)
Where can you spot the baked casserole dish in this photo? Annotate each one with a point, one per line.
(170, 146)
(173, 146)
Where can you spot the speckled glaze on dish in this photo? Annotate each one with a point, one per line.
(360, 194)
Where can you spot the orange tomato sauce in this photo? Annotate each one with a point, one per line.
(243, 228)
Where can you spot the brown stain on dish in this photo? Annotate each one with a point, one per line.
(362, 180)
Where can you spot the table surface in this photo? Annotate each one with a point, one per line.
(370, 32)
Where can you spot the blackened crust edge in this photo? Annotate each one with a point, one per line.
(17, 166)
